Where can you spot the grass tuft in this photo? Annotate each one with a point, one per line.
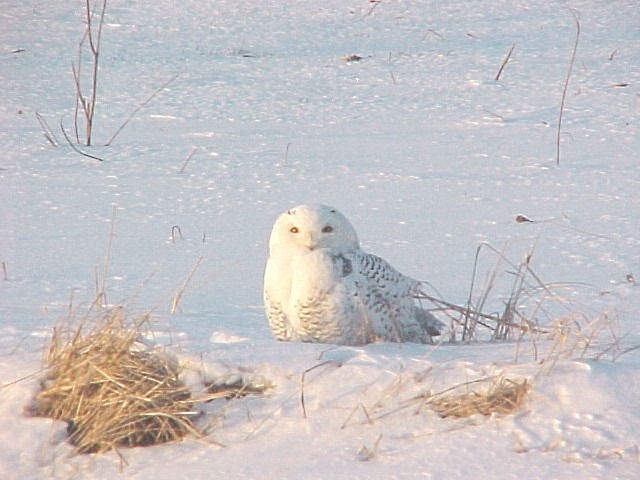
(110, 389)
(504, 396)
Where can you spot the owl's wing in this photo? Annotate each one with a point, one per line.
(388, 298)
(277, 319)
(277, 284)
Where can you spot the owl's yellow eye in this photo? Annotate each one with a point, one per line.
(294, 230)
(327, 229)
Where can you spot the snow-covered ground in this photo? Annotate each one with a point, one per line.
(424, 151)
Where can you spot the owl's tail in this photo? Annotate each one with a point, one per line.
(429, 323)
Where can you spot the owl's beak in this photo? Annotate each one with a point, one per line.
(312, 242)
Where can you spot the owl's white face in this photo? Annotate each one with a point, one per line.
(311, 227)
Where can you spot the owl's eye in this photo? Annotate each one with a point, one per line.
(294, 230)
(327, 229)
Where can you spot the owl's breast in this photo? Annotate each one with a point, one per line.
(323, 304)
(319, 271)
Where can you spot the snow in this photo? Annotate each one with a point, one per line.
(416, 143)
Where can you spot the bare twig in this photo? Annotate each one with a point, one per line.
(286, 153)
(374, 4)
(505, 61)
(184, 164)
(93, 38)
(74, 148)
(355, 409)
(101, 294)
(625, 351)
(95, 51)
(364, 453)
(175, 229)
(507, 320)
(322, 364)
(80, 100)
(466, 328)
(431, 31)
(471, 315)
(140, 107)
(46, 130)
(180, 292)
(566, 83)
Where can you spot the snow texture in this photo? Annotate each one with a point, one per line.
(416, 143)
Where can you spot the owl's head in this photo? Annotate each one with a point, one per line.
(313, 226)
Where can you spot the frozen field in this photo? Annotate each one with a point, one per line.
(416, 143)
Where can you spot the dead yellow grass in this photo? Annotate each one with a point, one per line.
(503, 397)
(110, 390)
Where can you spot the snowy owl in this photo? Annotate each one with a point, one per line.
(319, 286)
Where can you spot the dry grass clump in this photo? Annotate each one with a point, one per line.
(513, 319)
(110, 389)
(503, 397)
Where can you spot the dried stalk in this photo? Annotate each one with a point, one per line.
(140, 107)
(566, 84)
(74, 148)
(504, 62)
(46, 130)
(180, 292)
(88, 104)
